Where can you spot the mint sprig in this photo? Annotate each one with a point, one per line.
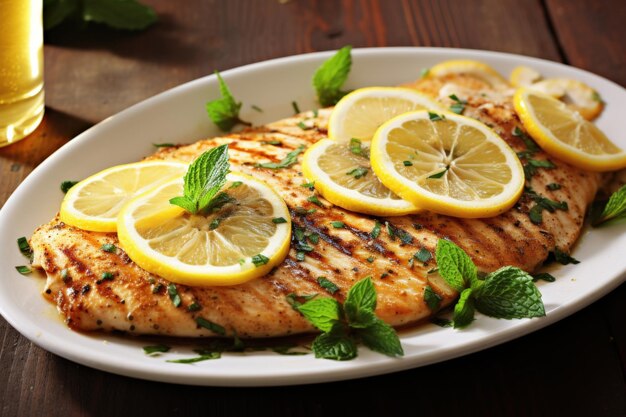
(204, 179)
(224, 111)
(343, 326)
(615, 208)
(331, 75)
(117, 14)
(508, 293)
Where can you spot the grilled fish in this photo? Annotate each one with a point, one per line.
(137, 302)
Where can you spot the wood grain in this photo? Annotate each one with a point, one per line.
(573, 368)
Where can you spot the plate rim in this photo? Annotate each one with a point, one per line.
(313, 376)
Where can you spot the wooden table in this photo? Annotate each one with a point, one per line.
(575, 367)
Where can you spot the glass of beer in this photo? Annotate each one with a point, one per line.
(21, 68)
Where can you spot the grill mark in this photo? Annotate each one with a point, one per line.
(310, 225)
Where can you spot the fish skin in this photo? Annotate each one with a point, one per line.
(137, 302)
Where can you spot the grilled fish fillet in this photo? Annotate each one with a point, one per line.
(137, 301)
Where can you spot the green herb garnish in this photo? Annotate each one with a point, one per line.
(304, 126)
(532, 165)
(295, 300)
(195, 306)
(260, 259)
(376, 230)
(356, 147)
(108, 247)
(201, 358)
(163, 145)
(287, 161)
(66, 185)
(343, 325)
(121, 14)
(25, 249)
(296, 108)
(309, 185)
(328, 285)
(424, 72)
(107, 276)
(235, 184)
(279, 220)
(172, 291)
(330, 77)
(156, 349)
(544, 276)
(407, 163)
(564, 258)
(434, 117)
(438, 175)
(458, 106)
(530, 144)
(507, 293)
(338, 224)
(224, 111)
(615, 208)
(209, 325)
(203, 180)
(257, 108)
(423, 255)
(315, 200)
(358, 172)
(23, 269)
(272, 142)
(432, 299)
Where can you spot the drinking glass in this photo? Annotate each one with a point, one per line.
(21, 68)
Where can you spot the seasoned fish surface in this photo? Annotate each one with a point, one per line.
(137, 301)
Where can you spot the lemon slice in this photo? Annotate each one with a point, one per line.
(242, 240)
(524, 76)
(346, 179)
(565, 134)
(94, 203)
(576, 94)
(460, 167)
(475, 69)
(360, 113)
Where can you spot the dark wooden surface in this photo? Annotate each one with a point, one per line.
(572, 368)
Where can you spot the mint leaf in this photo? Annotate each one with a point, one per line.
(287, 161)
(331, 75)
(119, 14)
(454, 265)
(381, 337)
(509, 293)
(224, 112)
(615, 208)
(360, 303)
(432, 299)
(204, 179)
(464, 310)
(57, 11)
(336, 345)
(323, 313)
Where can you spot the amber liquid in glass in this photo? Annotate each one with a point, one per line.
(21, 68)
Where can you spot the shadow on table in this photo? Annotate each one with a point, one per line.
(166, 42)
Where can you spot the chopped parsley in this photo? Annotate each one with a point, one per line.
(209, 325)
(279, 220)
(66, 185)
(423, 255)
(434, 117)
(272, 142)
(235, 184)
(358, 173)
(296, 108)
(376, 230)
(407, 163)
(458, 106)
(287, 161)
(438, 175)
(195, 306)
(156, 349)
(553, 186)
(338, 224)
(315, 200)
(109, 247)
(260, 259)
(163, 145)
(172, 291)
(257, 108)
(328, 285)
(24, 247)
(303, 126)
(23, 269)
(309, 185)
(356, 147)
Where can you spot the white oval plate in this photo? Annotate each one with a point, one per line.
(178, 115)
